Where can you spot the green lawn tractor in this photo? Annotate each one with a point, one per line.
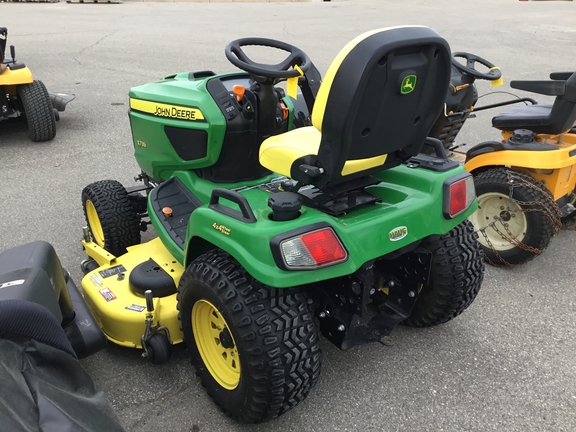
(23, 96)
(274, 226)
(525, 181)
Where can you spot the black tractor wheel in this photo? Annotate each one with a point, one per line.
(38, 111)
(255, 348)
(456, 276)
(513, 228)
(159, 349)
(112, 220)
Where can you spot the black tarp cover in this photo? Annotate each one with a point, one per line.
(43, 387)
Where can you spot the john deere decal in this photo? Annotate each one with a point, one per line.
(408, 84)
(164, 110)
(398, 233)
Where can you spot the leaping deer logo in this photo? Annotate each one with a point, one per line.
(408, 84)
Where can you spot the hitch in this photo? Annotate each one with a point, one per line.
(393, 290)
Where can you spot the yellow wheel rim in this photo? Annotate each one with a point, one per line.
(215, 344)
(506, 216)
(94, 223)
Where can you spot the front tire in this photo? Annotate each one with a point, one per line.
(513, 231)
(255, 348)
(111, 218)
(456, 276)
(38, 110)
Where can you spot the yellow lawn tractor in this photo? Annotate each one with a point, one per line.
(525, 182)
(21, 96)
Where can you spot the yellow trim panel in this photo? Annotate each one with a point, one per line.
(15, 77)
(552, 159)
(553, 167)
(354, 166)
(164, 110)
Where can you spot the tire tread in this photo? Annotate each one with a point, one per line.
(276, 328)
(38, 111)
(456, 277)
(120, 223)
(540, 230)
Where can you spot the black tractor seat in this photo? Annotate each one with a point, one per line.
(376, 104)
(548, 119)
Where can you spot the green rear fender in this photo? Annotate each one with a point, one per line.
(411, 209)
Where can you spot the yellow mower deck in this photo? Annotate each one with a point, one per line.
(120, 312)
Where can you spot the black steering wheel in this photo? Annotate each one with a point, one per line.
(238, 58)
(469, 69)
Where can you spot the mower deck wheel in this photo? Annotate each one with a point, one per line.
(159, 349)
(88, 264)
(38, 111)
(255, 348)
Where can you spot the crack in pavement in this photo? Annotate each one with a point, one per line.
(83, 50)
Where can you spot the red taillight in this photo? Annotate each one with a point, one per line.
(457, 197)
(323, 246)
(312, 250)
(459, 194)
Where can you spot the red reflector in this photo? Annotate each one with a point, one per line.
(457, 197)
(323, 246)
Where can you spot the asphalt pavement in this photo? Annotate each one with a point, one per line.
(506, 364)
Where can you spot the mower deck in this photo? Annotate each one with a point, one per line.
(118, 305)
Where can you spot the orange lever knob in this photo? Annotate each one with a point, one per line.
(238, 90)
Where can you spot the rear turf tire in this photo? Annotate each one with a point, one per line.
(255, 348)
(456, 276)
(111, 217)
(38, 111)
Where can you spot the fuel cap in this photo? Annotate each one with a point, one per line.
(285, 206)
(521, 136)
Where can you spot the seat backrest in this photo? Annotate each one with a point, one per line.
(563, 113)
(378, 101)
(547, 119)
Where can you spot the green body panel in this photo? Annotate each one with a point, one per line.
(411, 198)
(152, 149)
(202, 189)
